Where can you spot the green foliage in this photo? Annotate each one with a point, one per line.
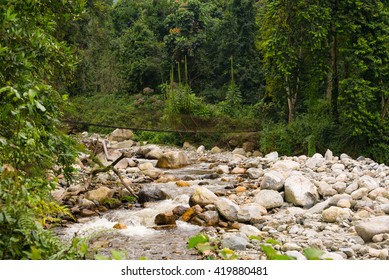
(198, 239)
(272, 254)
(34, 63)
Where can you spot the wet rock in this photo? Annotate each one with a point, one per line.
(251, 212)
(120, 226)
(296, 254)
(120, 135)
(210, 218)
(227, 209)
(179, 210)
(87, 213)
(99, 194)
(300, 191)
(372, 226)
(234, 242)
(334, 213)
(269, 199)
(173, 160)
(202, 196)
(272, 180)
(167, 218)
(153, 193)
(188, 214)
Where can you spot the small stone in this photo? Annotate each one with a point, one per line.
(338, 166)
(183, 184)
(367, 182)
(99, 194)
(378, 238)
(222, 169)
(238, 170)
(344, 203)
(200, 149)
(254, 173)
(329, 155)
(291, 247)
(216, 150)
(240, 189)
(167, 218)
(359, 193)
(295, 254)
(348, 251)
(374, 252)
(173, 160)
(332, 256)
(120, 226)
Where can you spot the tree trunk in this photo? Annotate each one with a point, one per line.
(334, 68)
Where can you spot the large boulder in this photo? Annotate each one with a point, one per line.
(167, 218)
(173, 160)
(300, 191)
(272, 180)
(372, 226)
(99, 194)
(269, 199)
(152, 193)
(202, 196)
(227, 209)
(120, 135)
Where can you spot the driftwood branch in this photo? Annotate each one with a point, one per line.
(112, 167)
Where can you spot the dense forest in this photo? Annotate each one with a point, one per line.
(307, 75)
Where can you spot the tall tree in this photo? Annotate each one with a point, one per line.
(292, 34)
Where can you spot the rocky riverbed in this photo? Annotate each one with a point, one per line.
(334, 203)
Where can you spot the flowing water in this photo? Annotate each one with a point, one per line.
(140, 238)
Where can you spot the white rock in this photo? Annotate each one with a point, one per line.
(337, 166)
(227, 209)
(200, 149)
(254, 173)
(352, 187)
(272, 156)
(359, 193)
(372, 226)
(334, 213)
(202, 196)
(325, 189)
(269, 199)
(286, 164)
(272, 180)
(300, 191)
(251, 212)
(249, 230)
(295, 254)
(222, 169)
(368, 183)
(329, 155)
